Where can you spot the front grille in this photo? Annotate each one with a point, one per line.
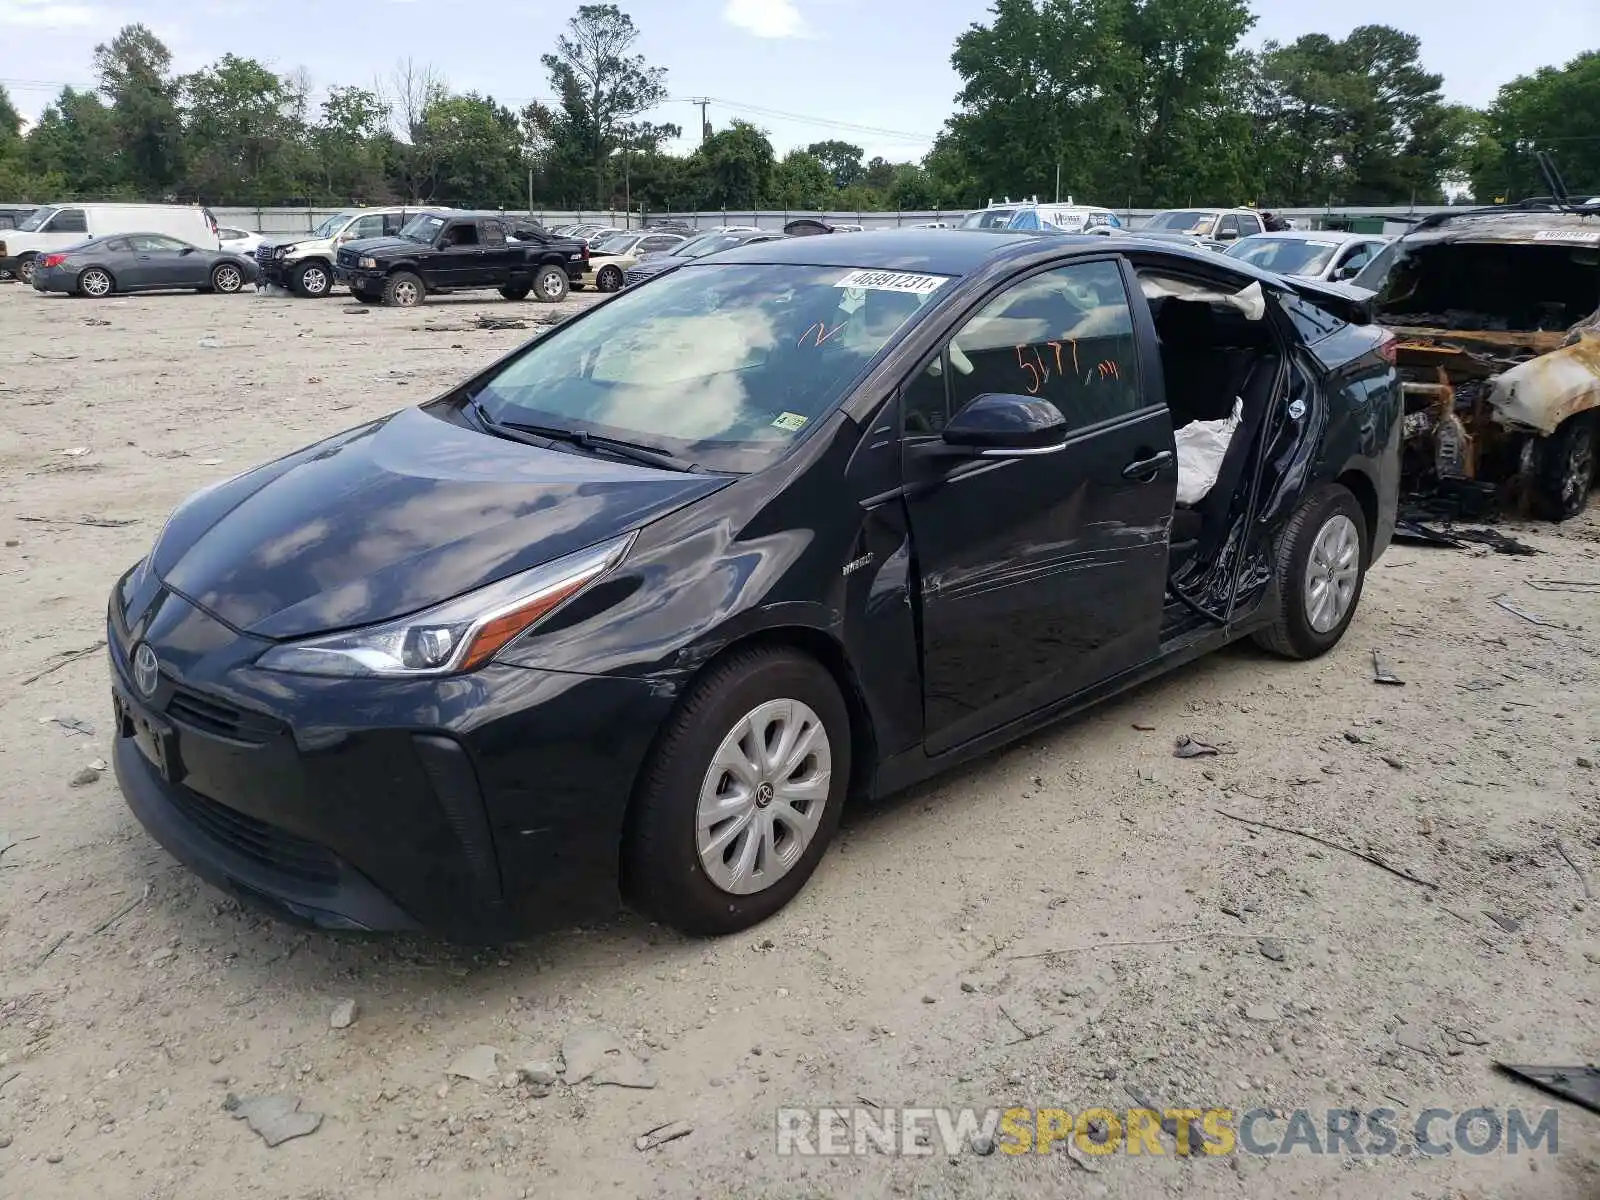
(264, 253)
(203, 713)
(261, 843)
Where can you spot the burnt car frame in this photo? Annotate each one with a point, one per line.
(480, 666)
(1497, 312)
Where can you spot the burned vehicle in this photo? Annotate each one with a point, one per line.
(1499, 354)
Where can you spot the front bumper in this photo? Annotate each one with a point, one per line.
(359, 279)
(274, 271)
(479, 807)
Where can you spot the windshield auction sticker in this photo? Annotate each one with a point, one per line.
(893, 281)
(1581, 237)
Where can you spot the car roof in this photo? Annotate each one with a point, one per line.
(939, 251)
(1514, 225)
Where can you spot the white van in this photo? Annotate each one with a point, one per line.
(58, 226)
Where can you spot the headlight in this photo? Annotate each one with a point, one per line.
(456, 636)
(367, 264)
(282, 251)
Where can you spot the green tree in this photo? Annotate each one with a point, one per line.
(353, 146)
(803, 181)
(473, 148)
(842, 160)
(1557, 110)
(135, 74)
(601, 89)
(245, 133)
(10, 122)
(74, 142)
(735, 167)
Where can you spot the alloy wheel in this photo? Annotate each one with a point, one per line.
(228, 279)
(95, 282)
(314, 280)
(763, 796)
(406, 294)
(1333, 570)
(551, 285)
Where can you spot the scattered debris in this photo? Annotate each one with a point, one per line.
(1467, 1038)
(539, 1076)
(67, 658)
(1394, 762)
(76, 451)
(1420, 534)
(1355, 739)
(343, 1015)
(1564, 585)
(356, 310)
(1417, 1039)
(1270, 949)
(276, 1118)
(1382, 674)
(1583, 879)
(1082, 1159)
(1027, 1036)
(481, 1064)
(96, 321)
(1142, 728)
(1581, 1085)
(1189, 746)
(1362, 855)
(121, 912)
(51, 949)
(69, 725)
(1531, 618)
(86, 776)
(662, 1134)
(485, 321)
(1480, 685)
(6, 843)
(1498, 542)
(600, 1055)
(209, 343)
(983, 1144)
(1508, 923)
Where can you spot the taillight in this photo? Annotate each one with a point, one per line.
(1389, 347)
(52, 260)
(586, 252)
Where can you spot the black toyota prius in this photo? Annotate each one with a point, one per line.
(633, 613)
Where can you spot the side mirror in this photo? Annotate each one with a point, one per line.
(1228, 235)
(1001, 425)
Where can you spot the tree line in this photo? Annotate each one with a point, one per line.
(1143, 103)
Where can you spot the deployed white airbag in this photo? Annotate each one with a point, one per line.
(1201, 445)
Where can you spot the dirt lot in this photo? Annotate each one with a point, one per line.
(912, 971)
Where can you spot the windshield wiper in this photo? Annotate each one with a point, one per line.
(519, 431)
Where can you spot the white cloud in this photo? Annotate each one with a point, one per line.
(48, 14)
(766, 18)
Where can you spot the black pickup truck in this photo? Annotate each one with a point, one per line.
(437, 253)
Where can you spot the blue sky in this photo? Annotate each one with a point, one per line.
(873, 72)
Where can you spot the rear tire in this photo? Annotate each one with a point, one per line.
(96, 283)
(550, 285)
(755, 703)
(516, 291)
(25, 269)
(403, 290)
(1564, 467)
(312, 280)
(226, 278)
(1321, 568)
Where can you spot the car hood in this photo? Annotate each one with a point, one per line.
(394, 517)
(384, 245)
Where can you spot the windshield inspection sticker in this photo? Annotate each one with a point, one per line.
(893, 281)
(1580, 237)
(790, 421)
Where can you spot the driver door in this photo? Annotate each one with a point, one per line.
(1044, 572)
(164, 262)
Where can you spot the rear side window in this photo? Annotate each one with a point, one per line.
(117, 246)
(68, 220)
(1312, 323)
(491, 233)
(393, 223)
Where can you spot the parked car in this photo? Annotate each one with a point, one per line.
(1496, 312)
(305, 265)
(673, 226)
(239, 241)
(599, 234)
(611, 257)
(1214, 225)
(62, 226)
(643, 604)
(650, 266)
(440, 252)
(1326, 255)
(141, 262)
(1032, 215)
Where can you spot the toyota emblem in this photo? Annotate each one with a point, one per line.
(146, 670)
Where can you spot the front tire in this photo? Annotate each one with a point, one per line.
(403, 290)
(312, 280)
(741, 794)
(608, 280)
(1564, 467)
(550, 285)
(226, 278)
(96, 283)
(1321, 569)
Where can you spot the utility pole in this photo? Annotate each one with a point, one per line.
(705, 125)
(1058, 181)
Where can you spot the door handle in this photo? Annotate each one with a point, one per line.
(1145, 469)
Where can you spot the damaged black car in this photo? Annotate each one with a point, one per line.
(635, 611)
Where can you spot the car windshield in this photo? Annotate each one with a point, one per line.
(1182, 221)
(721, 364)
(617, 243)
(332, 225)
(708, 243)
(32, 224)
(989, 218)
(422, 228)
(1286, 256)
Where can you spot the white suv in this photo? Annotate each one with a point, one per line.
(305, 265)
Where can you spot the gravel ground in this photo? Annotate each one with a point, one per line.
(1067, 923)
